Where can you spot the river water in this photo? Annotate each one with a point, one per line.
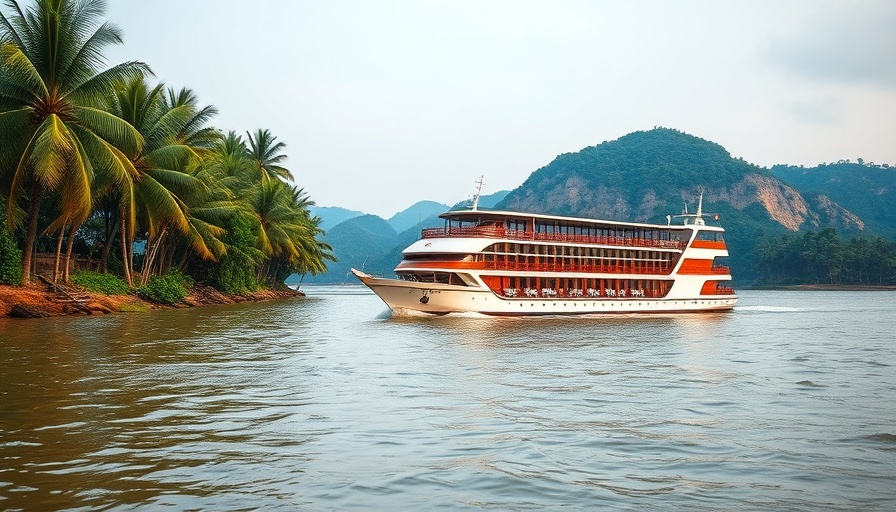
(328, 403)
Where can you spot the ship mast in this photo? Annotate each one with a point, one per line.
(478, 192)
(698, 217)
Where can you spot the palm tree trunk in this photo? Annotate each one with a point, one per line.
(124, 252)
(149, 257)
(107, 249)
(147, 260)
(58, 259)
(37, 193)
(184, 260)
(130, 246)
(68, 254)
(169, 256)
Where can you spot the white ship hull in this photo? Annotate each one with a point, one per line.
(404, 297)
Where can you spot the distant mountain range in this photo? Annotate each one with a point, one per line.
(373, 244)
(332, 215)
(643, 176)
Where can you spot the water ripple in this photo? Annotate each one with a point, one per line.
(331, 404)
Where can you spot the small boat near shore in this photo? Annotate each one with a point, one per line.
(519, 264)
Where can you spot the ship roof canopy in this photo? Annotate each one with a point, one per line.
(479, 214)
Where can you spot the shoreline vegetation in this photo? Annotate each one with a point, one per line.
(43, 299)
(108, 171)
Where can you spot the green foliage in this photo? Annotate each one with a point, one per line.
(115, 149)
(824, 258)
(661, 162)
(170, 288)
(864, 189)
(103, 283)
(54, 137)
(10, 258)
(235, 272)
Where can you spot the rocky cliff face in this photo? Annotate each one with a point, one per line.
(783, 203)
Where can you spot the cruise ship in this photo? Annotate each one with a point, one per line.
(511, 263)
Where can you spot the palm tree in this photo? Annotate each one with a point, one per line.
(266, 155)
(195, 133)
(311, 254)
(277, 213)
(161, 191)
(286, 232)
(56, 136)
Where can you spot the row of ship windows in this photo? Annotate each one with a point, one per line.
(593, 231)
(642, 256)
(576, 251)
(530, 287)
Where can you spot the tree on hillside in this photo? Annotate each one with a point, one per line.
(54, 135)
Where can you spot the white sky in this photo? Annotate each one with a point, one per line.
(384, 103)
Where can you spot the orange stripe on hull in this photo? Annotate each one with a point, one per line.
(693, 266)
(708, 244)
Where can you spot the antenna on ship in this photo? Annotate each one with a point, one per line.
(478, 192)
(698, 217)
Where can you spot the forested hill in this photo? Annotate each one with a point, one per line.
(866, 189)
(356, 242)
(630, 178)
(646, 175)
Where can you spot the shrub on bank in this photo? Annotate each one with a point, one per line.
(235, 272)
(170, 288)
(10, 258)
(107, 284)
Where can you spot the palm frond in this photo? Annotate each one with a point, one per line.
(52, 153)
(99, 84)
(175, 157)
(19, 70)
(110, 128)
(78, 67)
(8, 32)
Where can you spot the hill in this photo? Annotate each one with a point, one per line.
(646, 175)
(356, 242)
(381, 255)
(330, 216)
(867, 190)
(416, 213)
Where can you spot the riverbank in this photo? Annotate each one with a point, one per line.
(44, 300)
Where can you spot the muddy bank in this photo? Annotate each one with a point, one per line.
(40, 300)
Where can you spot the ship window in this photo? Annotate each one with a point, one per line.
(712, 236)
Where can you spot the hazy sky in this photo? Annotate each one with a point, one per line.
(383, 103)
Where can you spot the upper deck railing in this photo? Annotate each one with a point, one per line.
(514, 234)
